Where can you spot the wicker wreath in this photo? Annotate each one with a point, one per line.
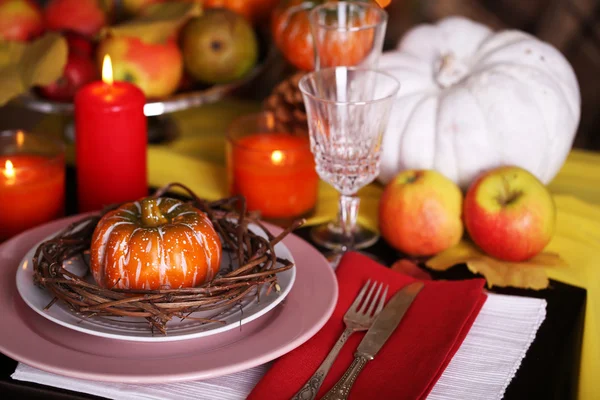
(255, 264)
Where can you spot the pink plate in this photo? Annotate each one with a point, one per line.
(29, 338)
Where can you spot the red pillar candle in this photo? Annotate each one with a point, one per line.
(110, 142)
(32, 186)
(274, 171)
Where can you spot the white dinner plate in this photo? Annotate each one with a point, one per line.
(137, 329)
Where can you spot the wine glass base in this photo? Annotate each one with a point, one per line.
(334, 257)
(330, 236)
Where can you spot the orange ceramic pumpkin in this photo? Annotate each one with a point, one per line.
(153, 244)
(290, 27)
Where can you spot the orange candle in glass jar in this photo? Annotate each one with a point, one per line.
(275, 172)
(32, 191)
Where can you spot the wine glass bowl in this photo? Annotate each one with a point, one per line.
(347, 34)
(348, 110)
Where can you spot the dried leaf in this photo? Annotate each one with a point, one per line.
(159, 23)
(409, 268)
(547, 259)
(530, 274)
(459, 254)
(526, 275)
(25, 65)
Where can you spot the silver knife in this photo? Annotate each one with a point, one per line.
(382, 328)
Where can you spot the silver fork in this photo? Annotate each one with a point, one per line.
(356, 319)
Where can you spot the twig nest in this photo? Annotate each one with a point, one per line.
(142, 229)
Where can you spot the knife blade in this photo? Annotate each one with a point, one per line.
(384, 325)
(388, 319)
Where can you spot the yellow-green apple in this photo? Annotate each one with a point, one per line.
(156, 68)
(420, 212)
(86, 17)
(20, 20)
(219, 46)
(509, 213)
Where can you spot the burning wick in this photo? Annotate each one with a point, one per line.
(277, 157)
(9, 171)
(107, 71)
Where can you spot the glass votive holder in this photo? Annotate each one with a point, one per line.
(273, 170)
(32, 181)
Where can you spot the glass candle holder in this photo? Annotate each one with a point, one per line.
(32, 181)
(274, 171)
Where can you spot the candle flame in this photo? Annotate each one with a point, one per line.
(9, 169)
(277, 157)
(20, 138)
(107, 70)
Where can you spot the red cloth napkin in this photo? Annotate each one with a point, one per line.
(412, 359)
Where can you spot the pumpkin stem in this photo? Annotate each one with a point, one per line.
(450, 70)
(151, 215)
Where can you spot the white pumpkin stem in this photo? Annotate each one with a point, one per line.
(450, 70)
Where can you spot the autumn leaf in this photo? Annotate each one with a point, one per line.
(506, 274)
(458, 254)
(530, 274)
(25, 65)
(159, 23)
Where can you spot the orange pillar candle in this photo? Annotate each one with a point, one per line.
(32, 190)
(274, 171)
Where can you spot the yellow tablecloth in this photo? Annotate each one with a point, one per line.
(196, 158)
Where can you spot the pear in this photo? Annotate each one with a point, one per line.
(219, 46)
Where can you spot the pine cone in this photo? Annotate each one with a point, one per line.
(287, 106)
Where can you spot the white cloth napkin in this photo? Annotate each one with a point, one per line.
(481, 369)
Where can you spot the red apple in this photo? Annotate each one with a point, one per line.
(420, 212)
(156, 68)
(78, 71)
(509, 213)
(86, 17)
(20, 20)
(79, 44)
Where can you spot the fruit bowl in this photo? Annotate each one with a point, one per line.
(154, 107)
(177, 102)
(160, 127)
(178, 55)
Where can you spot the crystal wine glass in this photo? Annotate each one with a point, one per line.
(346, 34)
(348, 110)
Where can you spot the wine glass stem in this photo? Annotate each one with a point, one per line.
(348, 217)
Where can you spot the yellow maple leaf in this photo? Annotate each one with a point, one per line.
(530, 274)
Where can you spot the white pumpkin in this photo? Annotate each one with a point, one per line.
(472, 99)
